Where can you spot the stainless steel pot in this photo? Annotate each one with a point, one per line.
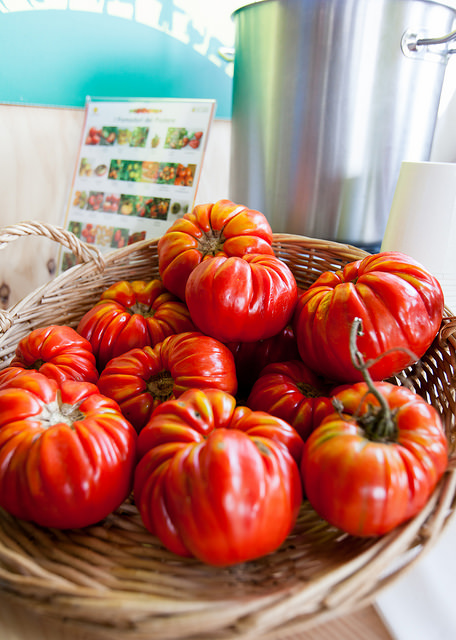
(329, 97)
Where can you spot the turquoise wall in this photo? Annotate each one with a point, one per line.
(52, 53)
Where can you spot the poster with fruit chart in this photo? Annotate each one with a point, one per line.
(137, 169)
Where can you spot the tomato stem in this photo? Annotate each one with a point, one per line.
(379, 424)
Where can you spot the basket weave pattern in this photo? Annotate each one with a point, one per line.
(119, 581)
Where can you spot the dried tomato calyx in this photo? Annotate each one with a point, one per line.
(58, 412)
(308, 390)
(37, 364)
(141, 309)
(161, 385)
(211, 243)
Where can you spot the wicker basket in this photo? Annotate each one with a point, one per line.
(118, 581)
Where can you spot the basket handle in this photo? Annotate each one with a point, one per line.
(84, 252)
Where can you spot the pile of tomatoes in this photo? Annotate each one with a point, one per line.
(220, 396)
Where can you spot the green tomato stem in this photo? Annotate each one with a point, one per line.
(380, 423)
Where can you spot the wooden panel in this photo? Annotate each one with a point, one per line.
(38, 148)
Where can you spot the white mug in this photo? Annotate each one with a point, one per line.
(422, 221)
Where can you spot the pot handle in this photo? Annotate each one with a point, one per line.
(413, 44)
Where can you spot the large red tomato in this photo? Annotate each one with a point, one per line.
(217, 481)
(291, 391)
(67, 454)
(365, 474)
(251, 357)
(141, 379)
(223, 228)
(400, 305)
(58, 352)
(249, 298)
(133, 314)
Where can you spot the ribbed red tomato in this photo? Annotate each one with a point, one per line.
(291, 391)
(133, 314)
(251, 357)
(399, 302)
(141, 379)
(366, 472)
(216, 481)
(67, 454)
(58, 352)
(223, 228)
(249, 298)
